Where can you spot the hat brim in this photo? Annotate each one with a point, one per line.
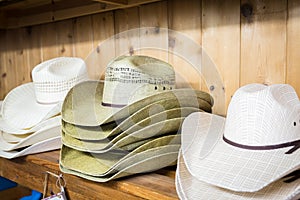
(213, 161)
(9, 130)
(112, 162)
(21, 110)
(146, 165)
(114, 128)
(52, 129)
(126, 138)
(43, 146)
(83, 104)
(189, 187)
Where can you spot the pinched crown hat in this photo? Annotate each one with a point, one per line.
(131, 83)
(257, 144)
(29, 104)
(189, 187)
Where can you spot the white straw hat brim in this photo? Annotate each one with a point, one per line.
(9, 130)
(20, 109)
(43, 146)
(213, 161)
(53, 129)
(189, 187)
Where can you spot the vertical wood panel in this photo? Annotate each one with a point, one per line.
(49, 41)
(126, 24)
(221, 42)
(3, 75)
(263, 42)
(83, 36)
(103, 47)
(22, 60)
(293, 45)
(65, 38)
(33, 48)
(15, 58)
(154, 15)
(184, 19)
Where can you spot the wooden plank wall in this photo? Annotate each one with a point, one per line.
(247, 40)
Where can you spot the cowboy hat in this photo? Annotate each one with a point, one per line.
(31, 103)
(146, 126)
(50, 130)
(152, 131)
(82, 105)
(45, 145)
(111, 162)
(189, 187)
(147, 165)
(257, 144)
(131, 82)
(115, 128)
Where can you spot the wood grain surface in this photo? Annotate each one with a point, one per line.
(30, 171)
(249, 41)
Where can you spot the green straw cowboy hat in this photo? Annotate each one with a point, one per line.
(114, 128)
(131, 83)
(151, 156)
(165, 122)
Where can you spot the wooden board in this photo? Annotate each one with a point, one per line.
(153, 39)
(185, 27)
(102, 44)
(127, 39)
(65, 38)
(263, 42)
(30, 171)
(246, 47)
(83, 36)
(3, 74)
(293, 45)
(48, 37)
(221, 46)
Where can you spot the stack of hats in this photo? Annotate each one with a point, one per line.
(30, 120)
(252, 154)
(127, 124)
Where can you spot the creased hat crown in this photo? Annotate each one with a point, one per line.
(54, 78)
(260, 115)
(130, 78)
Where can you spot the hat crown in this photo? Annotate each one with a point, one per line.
(260, 115)
(131, 78)
(55, 77)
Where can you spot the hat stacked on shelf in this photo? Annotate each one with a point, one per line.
(30, 120)
(127, 124)
(252, 154)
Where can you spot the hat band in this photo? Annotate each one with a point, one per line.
(293, 176)
(295, 144)
(112, 105)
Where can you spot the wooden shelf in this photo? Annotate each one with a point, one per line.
(20, 13)
(30, 171)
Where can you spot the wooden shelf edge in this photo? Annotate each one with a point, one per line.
(67, 13)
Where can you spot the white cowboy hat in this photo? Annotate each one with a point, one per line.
(29, 104)
(257, 144)
(131, 83)
(45, 145)
(189, 187)
(49, 130)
